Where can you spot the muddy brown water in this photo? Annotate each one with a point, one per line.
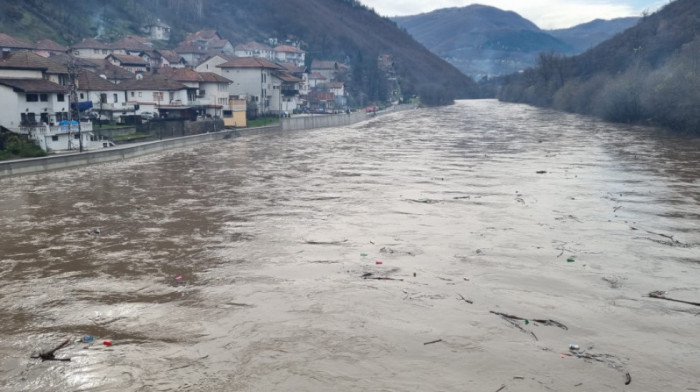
(238, 265)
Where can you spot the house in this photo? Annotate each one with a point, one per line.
(105, 69)
(157, 30)
(328, 69)
(210, 40)
(131, 45)
(90, 48)
(301, 73)
(316, 79)
(160, 58)
(158, 94)
(290, 54)
(285, 88)
(207, 92)
(252, 78)
(193, 55)
(211, 63)
(134, 64)
(48, 48)
(255, 49)
(338, 90)
(39, 110)
(108, 99)
(26, 63)
(9, 43)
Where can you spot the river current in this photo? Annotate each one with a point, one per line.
(261, 262)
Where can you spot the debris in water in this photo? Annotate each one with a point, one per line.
(434, 341)
(50, 355)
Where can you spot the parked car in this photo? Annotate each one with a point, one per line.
(148, 115)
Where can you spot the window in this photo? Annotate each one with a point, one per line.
(32, 98)
(132, 94)
(54, 138)
(97, 51)
(157, 96)
(44, 97)
(82, 96)
(228, 113)
(139, 94)
(76, 136)
(103, 98)
(116, 98)
(223, 101)
(61, 98)
(171, 96)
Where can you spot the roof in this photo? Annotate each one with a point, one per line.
(204, 35)
(66, 60)
(318, 64)
(33, 85)
(90, 81)
(90, 43)
(157, 23)
(293, 68)
(8, 41)
(317, 76)
(252, 45)
(47, 44)
(288, 49)
(111, 71)
(249, 62)
(170, 55)
(131, 43)
(126, 59)
(286, 77)
(26, 59)
(155, 82)
(186, 47)
(336, 85)
(190, 75)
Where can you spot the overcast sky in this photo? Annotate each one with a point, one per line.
(547, 14)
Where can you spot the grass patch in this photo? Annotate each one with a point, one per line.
(263, 121)
(16, 147)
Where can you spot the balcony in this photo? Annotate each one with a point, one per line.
(49, 130)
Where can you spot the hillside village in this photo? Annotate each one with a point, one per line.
(52, 94)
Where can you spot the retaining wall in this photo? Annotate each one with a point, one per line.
(66, 161)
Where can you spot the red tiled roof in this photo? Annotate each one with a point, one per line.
(47, 44)
(170, 55)
(190, 75)
(90, 43)
(249, 62)
(155, 82)
(90, 81)
(126, 59)
(33, 85)
(252, 45)
(318, 64)
(317, 76)
(26, 59)
(203, 34)
(288, 48)
(8, 41)
(286, 77)
(131, 43)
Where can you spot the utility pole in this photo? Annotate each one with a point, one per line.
(73, 98)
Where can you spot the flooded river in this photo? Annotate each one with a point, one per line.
(260, 263)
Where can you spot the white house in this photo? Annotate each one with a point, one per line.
(207, 92)
(157, 30)
(212, 62)
(108, 99)
(90, 48)
(152, 92)
(285, 91)
(38, 109)
(26, 63)
(251, 77)
(290, 54)
(134, 64)
(9, 43)
(255, 49)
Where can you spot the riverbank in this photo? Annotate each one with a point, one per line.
(67, 161)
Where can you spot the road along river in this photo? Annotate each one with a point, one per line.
(260, 263)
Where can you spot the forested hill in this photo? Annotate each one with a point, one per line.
(650, 73)
(342, 30)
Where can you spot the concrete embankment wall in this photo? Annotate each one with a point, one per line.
(67, 161)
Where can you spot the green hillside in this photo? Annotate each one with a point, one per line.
(343, 30)
(647, 74)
